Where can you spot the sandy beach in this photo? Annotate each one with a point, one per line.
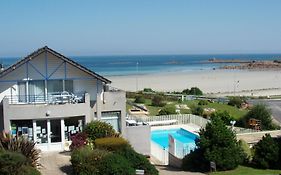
(219, 82)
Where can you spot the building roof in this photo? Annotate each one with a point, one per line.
(68, 60)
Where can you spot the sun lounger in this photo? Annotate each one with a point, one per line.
(164, 122)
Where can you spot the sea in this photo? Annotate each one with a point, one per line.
(119, 65)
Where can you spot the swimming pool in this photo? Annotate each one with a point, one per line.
(161, 137)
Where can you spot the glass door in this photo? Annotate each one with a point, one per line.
(55, 133)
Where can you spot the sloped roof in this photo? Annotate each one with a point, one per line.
(68, 60)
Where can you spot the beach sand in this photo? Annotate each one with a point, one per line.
(219, 82)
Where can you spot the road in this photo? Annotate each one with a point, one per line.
(273, 105)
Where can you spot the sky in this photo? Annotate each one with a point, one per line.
(130, 27)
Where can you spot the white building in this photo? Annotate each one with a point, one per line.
(47, 97)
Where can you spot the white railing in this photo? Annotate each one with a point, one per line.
(159, 153)
(181, 119)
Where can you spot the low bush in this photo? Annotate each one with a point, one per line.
(98, 129)
(235, 101)
(86, 161)
(78, 140)
(11, 162)
(167, 110)
(137, 160)
(203, 102)
(195, 161)
(266, 153)
(28, 170)
(111, 143)
(115, 164)
(158, 101)
(21, 145)
(197, 110)
(246, 150)
(140, 99)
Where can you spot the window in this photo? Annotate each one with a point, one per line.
(68, 85)
(22, 128)
(36, 91)
(22, 91)
(73, 125)
(55, 86)
(112, 118)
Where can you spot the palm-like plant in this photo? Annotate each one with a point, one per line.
(22, 145)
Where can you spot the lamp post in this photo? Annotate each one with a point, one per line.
(137, 71)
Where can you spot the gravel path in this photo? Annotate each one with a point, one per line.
(55, 163)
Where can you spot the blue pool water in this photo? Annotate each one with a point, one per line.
(161, 137)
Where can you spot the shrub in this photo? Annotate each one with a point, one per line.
(137, 160)
(246, 150)
(98, 129)
(27, 148)
(185, 91)
(217, 143)
(266, 153)
(203, 102)
(85, 161)
(235, 101)
(115, 164)
(10, 162)
(29, 170)
(140, 99)
(195, 161)
(168, 110)
(78, 140)
(197, 110)
(260, 112)
(158, 101)
(111, 143)
(225, 116)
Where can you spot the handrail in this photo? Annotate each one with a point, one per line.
(51, 98)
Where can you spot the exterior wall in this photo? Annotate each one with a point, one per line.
(115, 101)
(21, 112)
(141, 144)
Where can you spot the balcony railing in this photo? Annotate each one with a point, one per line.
(51, 98)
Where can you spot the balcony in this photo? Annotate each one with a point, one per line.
(52, 98)
(55, 106)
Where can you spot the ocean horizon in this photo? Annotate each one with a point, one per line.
(122, 65)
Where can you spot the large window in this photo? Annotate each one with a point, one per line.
(112, 118)
(36, 91)
(22, 128)
(68, 85)
(22, 91)
(55, 86)
(73, 125)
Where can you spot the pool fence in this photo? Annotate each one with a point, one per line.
(178, 118)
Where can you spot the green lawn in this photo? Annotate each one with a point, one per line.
(242, 170)
(233, 111)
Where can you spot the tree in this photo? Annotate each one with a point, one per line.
(192, 91)
(266, 153)
(218, 144)
(139, 99)
(262, 113)
(195, 91)
(225, 116)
